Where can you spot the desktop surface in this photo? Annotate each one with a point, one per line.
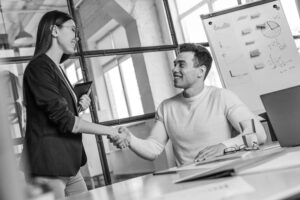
(272, 184)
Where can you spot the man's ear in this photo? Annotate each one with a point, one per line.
(54, 31)
(201, 71)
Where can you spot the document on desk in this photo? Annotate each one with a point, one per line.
(204, 165)
(224, 189)
(187, 167)
(233, 168)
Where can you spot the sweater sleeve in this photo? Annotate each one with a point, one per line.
(236, 111)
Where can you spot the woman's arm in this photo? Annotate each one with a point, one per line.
(83, 126)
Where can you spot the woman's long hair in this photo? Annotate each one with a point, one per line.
(44, 32)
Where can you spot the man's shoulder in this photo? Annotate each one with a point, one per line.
(227, 93)
(214, 91)
(221, 92)
(172, 99)
(170, 102)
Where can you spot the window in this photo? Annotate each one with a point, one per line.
(73, 71)
(131, 88)
(192, 25)
(292, 15)
(123, 91)
(221, 4)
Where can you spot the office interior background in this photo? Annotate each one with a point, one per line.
(126, 48)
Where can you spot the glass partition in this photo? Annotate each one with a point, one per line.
(116, 24)
(11, 75)
(18, 23)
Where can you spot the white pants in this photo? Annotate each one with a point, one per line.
(64, 186)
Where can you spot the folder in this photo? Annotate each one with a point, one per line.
(233, 168)
(205, 164)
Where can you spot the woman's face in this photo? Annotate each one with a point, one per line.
(67, 37)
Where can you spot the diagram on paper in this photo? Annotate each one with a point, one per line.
(280, 64)
(276, 45)
(234, 64)
(270, 29)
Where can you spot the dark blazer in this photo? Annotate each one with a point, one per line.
(52, 149)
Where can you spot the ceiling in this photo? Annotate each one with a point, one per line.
(25, 13)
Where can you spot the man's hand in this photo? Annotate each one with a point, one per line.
(210, 151)
(84, 102)
(122, 140)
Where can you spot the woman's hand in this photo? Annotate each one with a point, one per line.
(84, 102)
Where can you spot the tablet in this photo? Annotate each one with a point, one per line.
(82, 88)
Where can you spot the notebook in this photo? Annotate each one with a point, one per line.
(283, 109)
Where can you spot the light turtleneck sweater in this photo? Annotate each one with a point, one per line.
(206, 119)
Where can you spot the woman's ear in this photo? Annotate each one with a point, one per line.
(54, 31)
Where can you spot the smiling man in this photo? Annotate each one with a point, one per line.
(200, 121)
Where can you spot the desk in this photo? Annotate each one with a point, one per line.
(267, 185)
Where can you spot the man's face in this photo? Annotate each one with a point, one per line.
(185, 74)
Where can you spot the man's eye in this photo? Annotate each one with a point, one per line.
(181, 65)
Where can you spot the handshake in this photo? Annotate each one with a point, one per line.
(122, 139)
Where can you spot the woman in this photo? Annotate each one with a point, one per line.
(53, 139)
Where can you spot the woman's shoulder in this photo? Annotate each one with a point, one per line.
(39, 65)
(41, 61)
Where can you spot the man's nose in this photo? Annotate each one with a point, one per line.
(175, 68)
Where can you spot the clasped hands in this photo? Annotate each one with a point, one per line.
(122, 139)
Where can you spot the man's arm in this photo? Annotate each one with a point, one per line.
(235, 112)
(236, 119)
(149, 148)
(237, 141)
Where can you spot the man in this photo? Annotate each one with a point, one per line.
(200, 121)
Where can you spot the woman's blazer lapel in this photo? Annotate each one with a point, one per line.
(68, 85)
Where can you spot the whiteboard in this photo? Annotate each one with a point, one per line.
(253, 49)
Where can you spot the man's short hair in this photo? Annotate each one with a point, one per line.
(201, 53)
